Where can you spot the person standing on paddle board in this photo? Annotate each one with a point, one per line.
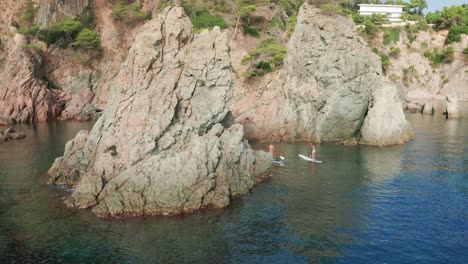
(312, 155)
(271, 149)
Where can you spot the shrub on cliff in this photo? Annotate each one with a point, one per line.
(265, 58)
(437, 58)
(29, 12)
(206, 20)
(394, 52)
(391, 35)
(129, 12)
(87, 39)
(455, 33)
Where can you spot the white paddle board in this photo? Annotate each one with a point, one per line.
(309, 159)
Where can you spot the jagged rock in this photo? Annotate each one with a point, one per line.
(162, 145)
(452, 110)
(428, 109)
(331, 76)
(24, 97)
(75, 108)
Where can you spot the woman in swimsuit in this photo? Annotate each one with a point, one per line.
(312, 155)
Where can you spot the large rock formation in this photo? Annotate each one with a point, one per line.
(24, 96)
(165, 143)
(332, 83)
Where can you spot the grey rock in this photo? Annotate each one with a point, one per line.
(161, 145)
(452, 109)
(385, 123)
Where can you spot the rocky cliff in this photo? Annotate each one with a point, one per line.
(414, 73)
(24, 96)
(165, 143)
(331, 85)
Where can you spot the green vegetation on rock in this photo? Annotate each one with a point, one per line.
(394, 52)
(265, 58)
(455, 33)
(437, 58)
(87, 39)
(29, 12)
(409, 74)
(391, 35)
(129, 12)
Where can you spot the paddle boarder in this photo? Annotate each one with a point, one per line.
(312, 155)
(271, 149)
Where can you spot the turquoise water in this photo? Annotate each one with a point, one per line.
(401, 204)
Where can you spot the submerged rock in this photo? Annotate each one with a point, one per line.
(163, 144)
(452, 110)
(332, 81)
(10, 134)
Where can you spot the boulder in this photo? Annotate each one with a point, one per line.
(164, 143)
(428, 109)
(452, 110)
(385, 123)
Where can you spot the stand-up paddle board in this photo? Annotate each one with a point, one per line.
(278, 161)
(309, 159)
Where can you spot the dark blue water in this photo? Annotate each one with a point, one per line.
(401, 204)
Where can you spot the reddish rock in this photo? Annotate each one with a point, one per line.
(24, 97)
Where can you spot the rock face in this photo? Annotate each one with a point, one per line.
(452, 110)
(80, 107)
(51, 10)
(332, 82)
(165, 143)
(24, 97)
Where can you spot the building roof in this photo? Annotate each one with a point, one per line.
(381, 5)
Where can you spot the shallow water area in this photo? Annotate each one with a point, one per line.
(399, 204)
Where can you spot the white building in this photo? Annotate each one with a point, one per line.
(393, 12)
